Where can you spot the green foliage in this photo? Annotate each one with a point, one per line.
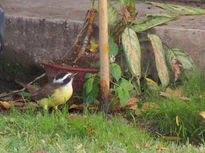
(127, 28)
(113, 48)
(90, 88)
(151, 21)
(122, 91)
(179, 9)
(115, 71)
(182, 57)
(163, 116)
(112, 14)
(124, 3)
(132, 51)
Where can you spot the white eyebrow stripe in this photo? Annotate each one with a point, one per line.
(62, 79)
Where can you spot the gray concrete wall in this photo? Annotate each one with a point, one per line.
(37, 31)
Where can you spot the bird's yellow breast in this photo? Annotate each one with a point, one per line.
(60, 96)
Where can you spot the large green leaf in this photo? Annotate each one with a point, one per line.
(92, 95)
(124, 3)
(123, 95)
(88, 85)
(151, 21)
(113, 48)
(115, 71)
(132, 51)
(112, 14)
(184, 58)
(179, 9)
(125, 84)
(160, 59)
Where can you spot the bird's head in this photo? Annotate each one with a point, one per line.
(64, 79)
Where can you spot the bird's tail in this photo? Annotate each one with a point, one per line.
(29, 87)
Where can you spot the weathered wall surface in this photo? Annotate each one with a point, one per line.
(34, 40)
(37, 31)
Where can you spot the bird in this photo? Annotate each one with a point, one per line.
(1, 28)
(55, 93)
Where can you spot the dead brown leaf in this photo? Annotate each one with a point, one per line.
(126, 14)
(5, 104)
(90, 130)
(77, 107)
(176, 67)
(202, 114)
(169, 93)
(75, 116)
(148, 105)
(132, 103)
(40, 151)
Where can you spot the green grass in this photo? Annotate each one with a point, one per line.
(191, 126)
(57, 132)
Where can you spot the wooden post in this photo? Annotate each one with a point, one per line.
(104, 53)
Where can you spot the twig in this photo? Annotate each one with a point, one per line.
(92, 14)
(23, 89)
(83, 29)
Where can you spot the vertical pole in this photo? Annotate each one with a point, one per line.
(104, 53)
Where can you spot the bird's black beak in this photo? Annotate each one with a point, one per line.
(74, 74)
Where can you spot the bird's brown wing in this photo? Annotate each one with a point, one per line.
(44, 92)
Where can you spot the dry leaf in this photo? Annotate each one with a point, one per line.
(6, 105)
(202, 114)
(74, 106)
(74, 116)
(169, 93)
(176, 67)
(132, 103)
(172, 138)
(91, 130)
(148, 105)
(137, 146)
(177, 120)
(151, 81)
(93, 108)
(126, 15)
(40, 151)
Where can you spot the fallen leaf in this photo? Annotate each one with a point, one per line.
(202, 114)
(137, 146)
(177, 120)
(93, 108)
(160, 148)
(169, 93)
(74, 116)
(91, 130)
(148, 105)
(93, 44)
(18, 104)
(172, 138)
(176, 67)
(40, 151)
(6, 105)
(126, 14)
(132, 103)
(151, 81)
(79, 146)
(74, 106)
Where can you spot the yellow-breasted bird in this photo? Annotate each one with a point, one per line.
(55, 93)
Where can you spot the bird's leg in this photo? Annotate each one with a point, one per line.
(56, 107)
(46, 107)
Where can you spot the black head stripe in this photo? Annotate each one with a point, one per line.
(60, 76)
(66, 80)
